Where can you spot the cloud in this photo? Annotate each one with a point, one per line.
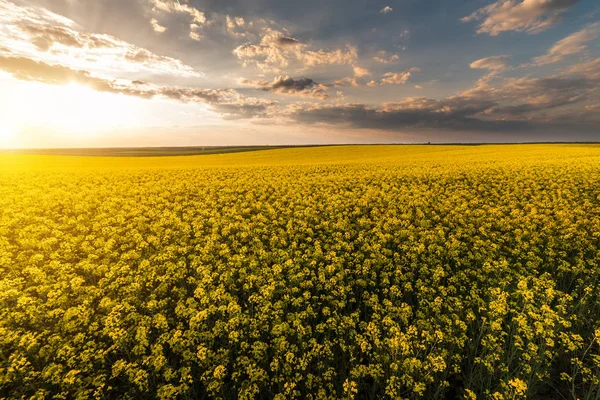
(163, 56)
(495, 63)
(9, 12)
(404, 34)
(589, 69)
(243, 109)
(360, 72)
(348, 81)
(226, 101)
(340, 96)
(234, 23)
(383, 58)
(229, 103)
(514, 104)
(236, 26)
(548, 100)
(339, 56)
(45, 37)
(195, 17)
(276, 51)
(394, 78)
(38, 33)
(532, 96)
(528, 95)
(37, 71)
(195, 35)
(413, 113)
(530, 16)
(356, 80)
(175, 6)
(386, 10)
(157, 27)
(573, 44)
(287, 41)
(290, 86)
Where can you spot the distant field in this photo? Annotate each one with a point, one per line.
(141, 151)
(401, 272)
(190, 150)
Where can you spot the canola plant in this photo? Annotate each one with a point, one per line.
(399, 272)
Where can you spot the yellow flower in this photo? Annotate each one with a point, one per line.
(519, 386)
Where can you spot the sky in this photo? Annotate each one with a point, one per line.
(112, 73)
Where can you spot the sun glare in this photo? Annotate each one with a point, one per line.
(79, 109)
(73, 110)
(7, 135)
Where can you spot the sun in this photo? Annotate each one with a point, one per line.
(73, 111)
(80, 110)
(8, 133)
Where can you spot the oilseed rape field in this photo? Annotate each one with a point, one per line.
(354, 272)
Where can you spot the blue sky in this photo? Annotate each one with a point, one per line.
(168, 72)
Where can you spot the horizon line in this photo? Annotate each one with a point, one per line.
(231, 146)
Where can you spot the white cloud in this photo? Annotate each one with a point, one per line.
(196, 17)
(394, 78)
(386, 10)
(174, 6)
(360, 72)
(531, 16)
(348, 81)
(228, 102)
(494, 64)
(236, 26)
(276, 50)
(573, 44)
(589, 69)
(35, 32)
(157, 27)
(383, 58)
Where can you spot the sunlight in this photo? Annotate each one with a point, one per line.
(73, 109)
(81, 110)
(7, 135)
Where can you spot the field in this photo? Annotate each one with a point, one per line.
(141, 151)
(400, 272)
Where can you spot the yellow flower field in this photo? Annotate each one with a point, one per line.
(400, 272)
